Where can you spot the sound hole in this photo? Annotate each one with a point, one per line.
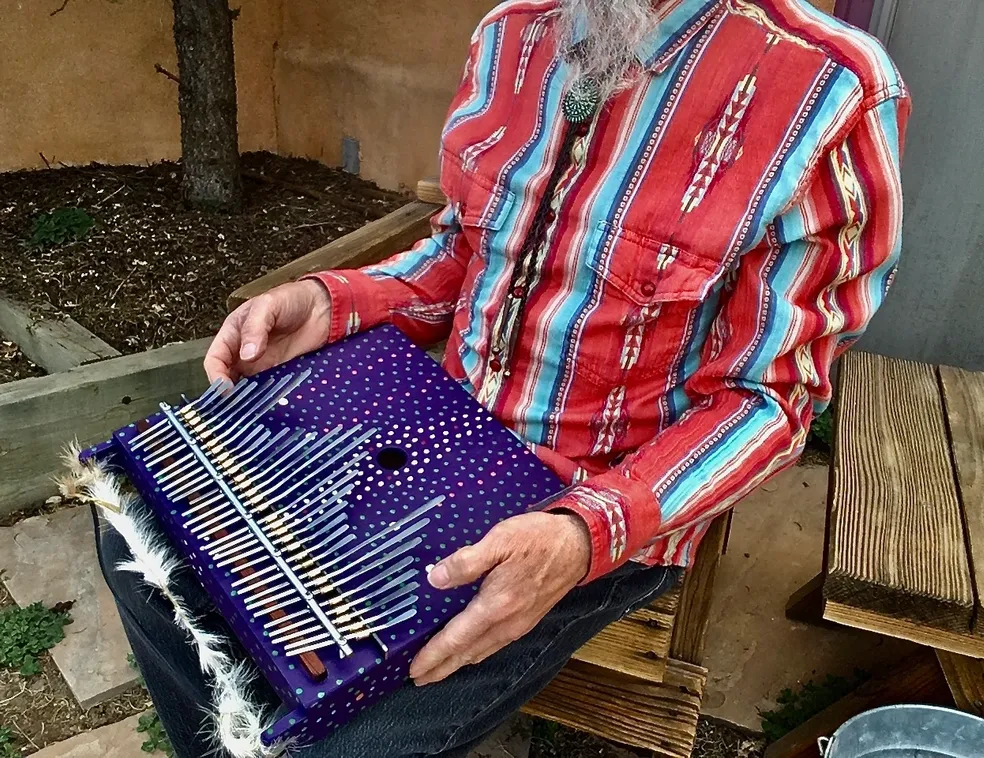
(391, 459)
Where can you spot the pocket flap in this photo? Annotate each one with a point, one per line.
(648, 271)
(478, 201)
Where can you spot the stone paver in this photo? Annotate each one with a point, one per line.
(52, 559)
(120, 740)
(511, 740)
(753, 651)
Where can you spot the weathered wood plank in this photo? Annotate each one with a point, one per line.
(963, 396)
(54, 342)
(693, 615)
(965, 678)
(915, 680)
(372, 243)
(637, 645)
(896, 539)
(963, 643)
(658, 717)
(38, 417)
(429, 191)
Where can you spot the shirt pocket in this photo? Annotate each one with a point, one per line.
(648, 291)
(481, 205)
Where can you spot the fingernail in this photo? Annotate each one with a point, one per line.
(439, 576)
(248, 352)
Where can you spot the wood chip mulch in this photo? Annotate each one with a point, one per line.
(151, 271)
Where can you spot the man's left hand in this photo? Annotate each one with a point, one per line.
(531, 562)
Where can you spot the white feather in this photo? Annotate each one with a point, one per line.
(238, 721)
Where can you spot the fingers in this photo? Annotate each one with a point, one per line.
(222, 358)
(467, 565)
(449, 648)
(259, 321)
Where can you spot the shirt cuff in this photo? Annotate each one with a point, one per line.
(356, 302)
(622, 516)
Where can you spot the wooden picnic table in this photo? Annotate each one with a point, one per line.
(904, 552)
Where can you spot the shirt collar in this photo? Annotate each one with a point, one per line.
(679, 21)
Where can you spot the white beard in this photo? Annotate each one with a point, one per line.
(614, 28)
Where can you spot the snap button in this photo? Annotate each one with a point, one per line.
(551, 216)
(648, 289)
(495, 364)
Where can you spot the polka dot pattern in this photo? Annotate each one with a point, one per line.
(452, 447)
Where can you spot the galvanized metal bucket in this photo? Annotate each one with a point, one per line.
(908, 731)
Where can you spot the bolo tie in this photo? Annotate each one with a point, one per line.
(581, 100)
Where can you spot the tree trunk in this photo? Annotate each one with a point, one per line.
(207, 102)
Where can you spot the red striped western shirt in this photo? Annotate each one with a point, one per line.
(653, 299)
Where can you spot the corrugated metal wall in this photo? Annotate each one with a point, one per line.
(935, 312)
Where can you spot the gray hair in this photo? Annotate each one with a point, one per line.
(612, 31)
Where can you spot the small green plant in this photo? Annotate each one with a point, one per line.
(27, 632)
(156, 738)
(7, 748)
(822, 429)
(60, 226)
(131, 659)
(795, 708)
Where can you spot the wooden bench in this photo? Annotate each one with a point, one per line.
(905, 534)
(640, 682)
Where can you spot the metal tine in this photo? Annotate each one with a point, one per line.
(296, 557)
(219, 527)
(288, 617)
(147, 434)
(255, 439)
(306, 618)
(209, 516)
(233, 418)
(255, 562)
(270, 474)
(331, 461)
(177, 463)
(339, 518)
(253, 597)
(217, 416)
(254, 575)
(190, 486)
(394, 582)
(405, 547)
(316, 519)
(316, 643)
(403, 604)
(277, 466)
(214, 392)
(235, 537)
(229, 561)
(262, 451)
(294, 633)
(204, 503)
(170, 448)
(292, 513)
(238, 546)
(396, 525)
(278, 607)
(290, 591)
(408, 561)
(324, 640)
(314, 494)
(395, 595)
(276, 395)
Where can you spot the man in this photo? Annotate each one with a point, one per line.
(666, 219)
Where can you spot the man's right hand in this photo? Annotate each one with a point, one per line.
(274, 327)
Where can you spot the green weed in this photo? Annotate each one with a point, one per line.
(156, 738)
(27, 632)
(822, 429)
(60, 226)
(7, 749)
(795, 708)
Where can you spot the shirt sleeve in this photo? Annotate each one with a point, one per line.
(793, 305)
(416, 290)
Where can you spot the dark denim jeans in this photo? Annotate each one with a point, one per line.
(444, 719)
